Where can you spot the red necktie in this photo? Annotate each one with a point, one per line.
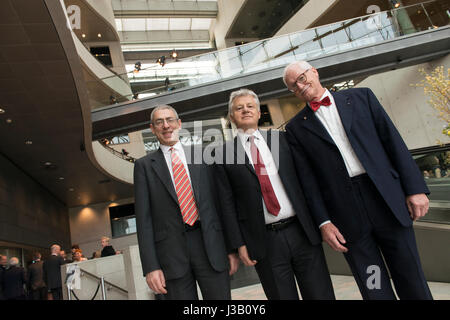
(184, 191)
(315, 105)
(270, 199)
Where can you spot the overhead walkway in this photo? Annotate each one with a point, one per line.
(341, 51)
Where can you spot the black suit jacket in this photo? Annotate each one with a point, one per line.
(108, 251)
(378, 146)
(52, 271)
(14, 280)
(36, 275)
(241, 197)
(160, 227)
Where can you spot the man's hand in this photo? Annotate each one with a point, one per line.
(417, 205)
(234, 263)
(243, 254)
(332, 236)
(156, 281)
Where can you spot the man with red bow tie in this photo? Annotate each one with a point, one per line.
(363, 186)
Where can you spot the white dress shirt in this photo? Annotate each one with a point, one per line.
(286, 209)
(168, 156)
(329, 117)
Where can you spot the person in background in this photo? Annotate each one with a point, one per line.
(78, 256)
(64, 256)
(107, 250)
(3, 263)
(35, 282)
(14, 280)
(52, 273)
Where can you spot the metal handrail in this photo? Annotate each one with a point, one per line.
(106, 282)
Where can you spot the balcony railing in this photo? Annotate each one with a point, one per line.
(303, 45)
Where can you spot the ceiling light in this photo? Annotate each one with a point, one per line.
(83, 35)
(71, 189)
(48, 163)
(61, 178)
(8, 120)
(2, 111)
(28, 142)
(99, 35)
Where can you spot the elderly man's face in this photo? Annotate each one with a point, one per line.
(165, 127)
(245, 113)
(305, 83)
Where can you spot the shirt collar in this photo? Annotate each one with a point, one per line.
(244, 136)
(177, 146)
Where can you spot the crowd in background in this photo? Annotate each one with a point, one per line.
(41, 280)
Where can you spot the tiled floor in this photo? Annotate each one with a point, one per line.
(345, 288)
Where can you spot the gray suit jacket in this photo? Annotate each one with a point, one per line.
(160, 227)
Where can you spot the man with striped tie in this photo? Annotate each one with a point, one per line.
(178, 226)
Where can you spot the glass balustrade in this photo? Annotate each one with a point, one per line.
(303, 45)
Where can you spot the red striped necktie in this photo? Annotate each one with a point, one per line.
(184, 190)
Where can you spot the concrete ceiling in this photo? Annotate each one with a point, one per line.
(261, 19)
(40, 87)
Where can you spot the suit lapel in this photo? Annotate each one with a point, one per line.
(345, 110)
(240, 156)
(194, 171)
(162, 171)
(313, 124)
(273, 141)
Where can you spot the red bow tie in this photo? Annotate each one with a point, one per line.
(315, 105)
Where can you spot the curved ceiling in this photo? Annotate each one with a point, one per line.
(42, 92)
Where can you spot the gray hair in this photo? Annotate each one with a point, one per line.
(241, 93)
(302, 64)
(163, 107)
(13, 261)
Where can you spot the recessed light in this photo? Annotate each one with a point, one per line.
(99, 35)
(61, 178)
(48, 163)
(2, 111)
(83, 35)
(28, 142)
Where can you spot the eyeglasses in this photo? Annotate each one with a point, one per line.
(301, 79)
(160, 122)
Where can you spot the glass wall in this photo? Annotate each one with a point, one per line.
(434, 163)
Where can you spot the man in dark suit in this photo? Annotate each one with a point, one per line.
(14, 280)
(178, 226)
(264, 211)
(35, 282)
(3, 263)
(352, 159)
(52, 273)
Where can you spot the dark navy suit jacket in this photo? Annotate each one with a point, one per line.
(159, 222)
(379, 148)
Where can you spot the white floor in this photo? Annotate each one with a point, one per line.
(345, 288)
